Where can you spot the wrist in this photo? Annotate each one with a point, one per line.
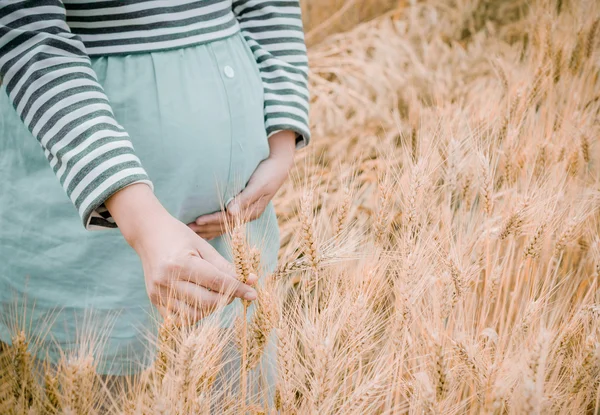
(282, 146)
(135, 209)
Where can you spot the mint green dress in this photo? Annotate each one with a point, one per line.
(196, 120)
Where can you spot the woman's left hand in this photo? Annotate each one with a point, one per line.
(251, 202)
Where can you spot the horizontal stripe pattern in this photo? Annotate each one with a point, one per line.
(45, 49)
(274, 31)
(48, 77)
(117, 27)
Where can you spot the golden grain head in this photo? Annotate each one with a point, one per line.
(456, 271)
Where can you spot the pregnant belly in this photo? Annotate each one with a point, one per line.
(196, 120)
(197, 162)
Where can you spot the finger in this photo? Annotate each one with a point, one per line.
(208, 229)
(251, 193)
(164, 311)
(199, 297)
(173, 309)
(211, 255)
(202, 272)
(252, 279)
(257, 208)
(160, 296)
(184, 314)
(209, 233)
(212, 218)
(175, 303)
(209, 236)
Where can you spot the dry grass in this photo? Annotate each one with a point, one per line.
(441, 248)
(323, 18)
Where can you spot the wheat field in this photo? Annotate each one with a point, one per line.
(440, 236)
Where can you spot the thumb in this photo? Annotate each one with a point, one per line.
(233, 208)
(244, 199)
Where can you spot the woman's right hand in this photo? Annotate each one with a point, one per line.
(184, 274)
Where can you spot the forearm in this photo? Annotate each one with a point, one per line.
(274, 32)
(49, 79)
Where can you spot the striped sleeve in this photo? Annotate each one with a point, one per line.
(49, 80)
(273, 30)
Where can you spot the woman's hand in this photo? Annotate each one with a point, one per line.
(266, 180)
(184, 274)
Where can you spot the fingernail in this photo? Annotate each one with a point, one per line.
(250, 296)
(199, 222)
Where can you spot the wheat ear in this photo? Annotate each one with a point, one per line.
(308, 238)
(342, 212)
(285, 359)
(24, 386)
(51, 391)
(263, 322)
(166, 346)
(242, 265)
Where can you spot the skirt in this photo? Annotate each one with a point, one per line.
(195, 117)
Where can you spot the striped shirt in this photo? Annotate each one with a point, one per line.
(45, 68)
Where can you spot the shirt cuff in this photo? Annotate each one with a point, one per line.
(302, 134)
(95, 215)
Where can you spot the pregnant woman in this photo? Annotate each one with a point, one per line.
(152, 115)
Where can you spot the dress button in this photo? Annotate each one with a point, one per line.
(229, 72)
